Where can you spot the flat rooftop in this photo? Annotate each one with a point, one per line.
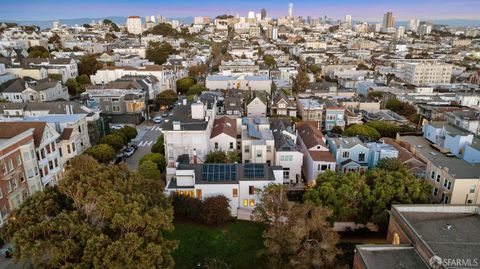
(390, 256)
(458, 168)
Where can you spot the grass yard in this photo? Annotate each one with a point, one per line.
(236, 244)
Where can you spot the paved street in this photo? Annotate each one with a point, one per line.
(148, 134)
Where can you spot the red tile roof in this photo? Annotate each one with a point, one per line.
(324, 156)
(310, 135)
(11, 129)
(224, 125)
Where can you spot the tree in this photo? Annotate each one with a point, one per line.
(102, 152)
(270, 61)
(98, 217)
(156, 158)
(149, 169)
(166, 98)
(83, 80)
(215, 210)
(310, 241)
(336, 130)
(386, 129)
(55, 39)
(38, 52)
(129, 131)
(184, 84)
(159, 146)
(362, 66)
(158, 52)
(300, 81)
(55, 76)
(402, 108)
(232, 157)
(390, 77)
(163, 29)
(196, 89)
(115, 141)
(375, 95)
(122, 135)
(197, 70)
(216, 156)
(362, 130)
(113, 26)
(89, 65)
(73, 87)
(86, 25)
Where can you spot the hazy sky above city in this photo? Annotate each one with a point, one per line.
(371, 10)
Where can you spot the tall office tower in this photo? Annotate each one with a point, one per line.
(134, 25)
(388, 21)
(290, 10)
(251, 15)
(263, 13)
(147, 19)
(161, 19)
(348, 20)
(152, 19)
(400, 32)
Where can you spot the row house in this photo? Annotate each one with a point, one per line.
(256, 103)
(287, 152)
(67, 67)
(19, 177)
(283, 105)
(47, 150)
(239, 82)
(44, 90)
(316, 156)
(224, 134)
(350, 154)
(258, 144)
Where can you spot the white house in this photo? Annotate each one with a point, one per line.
(316, 157)
(258, 144)
(238, 182)
(224, 134)
(239, 82)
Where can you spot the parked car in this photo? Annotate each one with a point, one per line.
(128, 151)
(117, 126)
(157, 119)
(119, 159)
(165, 114)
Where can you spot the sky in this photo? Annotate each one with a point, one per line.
(368, 10)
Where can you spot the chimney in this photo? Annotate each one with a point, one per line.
(194, 156)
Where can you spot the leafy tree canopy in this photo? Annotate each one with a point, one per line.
(98, 217)
(362, 130)
(158, 52)
(102, 152)
(89, 65)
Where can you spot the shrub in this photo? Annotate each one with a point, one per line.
(122, 135)
(186, 206)
(158, 147)
(114, 140)
(362, 130)
(130, 132)
(156, 158)
(215, 210)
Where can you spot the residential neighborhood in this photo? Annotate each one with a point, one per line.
(276, 138)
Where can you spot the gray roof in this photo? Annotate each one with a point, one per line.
(390, 256)
(183, 114)
(453, 130)
(282, 141)
(346, 142)
(57, 107)
(458, 168)
(450, 231)
(17, 85)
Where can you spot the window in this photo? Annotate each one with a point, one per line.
(445, 183)
(50, 165)
(79, 128)
(10, 165)
(4, 168)
(26, 156)
(472, 189)
(42, 152)
(259, 153)
(115, 108)
(269, 148)
(322, 167)
(14, 183)
(251, 190)
(30, 173)
(449, 185)
(22, 177)
(60, 151)
(115, 100)
(433, 175)
(286, 173)
(18, 160)
(36, 170)
(68, 149)
(231, 145)
(245, 202)
(252, 202)
(247, 149)
(361, 157)
(438, 178)
(286, 158)
(199, 193)
(446, 199)
(32, 154)
(49, 150)
(45, 170)
(234, 192)
(216, 145)
(56, 162)
(469, 201)
(9, 186)
(73, 146)
(53, 146)
(346, 154)
(435, 192)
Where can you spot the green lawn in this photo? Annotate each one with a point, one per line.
(236, 244)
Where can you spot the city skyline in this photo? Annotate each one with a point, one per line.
(368, 10)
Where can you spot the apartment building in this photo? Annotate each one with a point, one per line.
(46, 148)
(454, 180)
(239, 82)
(19, 177)
(134, 25)
(21, 91)
(258, 144)
(237, 182)
(426, 236)
(423, 73)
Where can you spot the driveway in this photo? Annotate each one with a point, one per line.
(148, 135)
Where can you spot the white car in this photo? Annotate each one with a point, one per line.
(129, 151)
(157, 119)
(117, 126)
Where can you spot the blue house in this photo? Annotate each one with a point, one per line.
(350, 153)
